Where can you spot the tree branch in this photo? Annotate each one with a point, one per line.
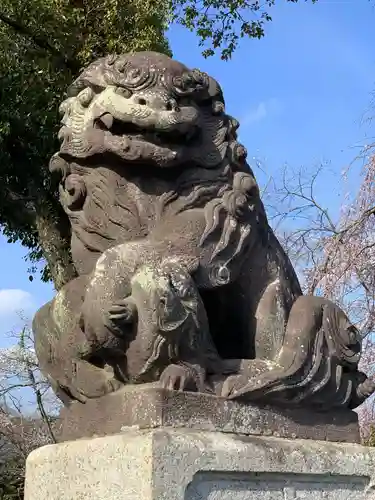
(39, 41)
(36, 389)
(39, 401)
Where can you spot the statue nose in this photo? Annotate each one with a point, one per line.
(157, 102)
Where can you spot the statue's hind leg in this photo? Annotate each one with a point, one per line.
(63, 351)
(295, 337)
(317, 363)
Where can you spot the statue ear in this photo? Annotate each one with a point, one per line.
(214, 94)
(214, 90)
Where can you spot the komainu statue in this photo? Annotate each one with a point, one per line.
(180, 279)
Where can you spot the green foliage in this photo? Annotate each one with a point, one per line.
(223, 23)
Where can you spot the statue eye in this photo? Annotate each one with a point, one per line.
(85, 96)
(178, 82)
(122, 91)
(134, 73)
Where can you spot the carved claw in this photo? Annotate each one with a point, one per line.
(182, 378)
(75, 394)
(113, 385)
(121, 314)
(123, 311)
(66, 394)
(104, 387)
(233, 384)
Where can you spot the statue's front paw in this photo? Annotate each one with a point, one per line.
(232, 384)
(121, 314)
(101, 386)
(113, 385)
(181, 378)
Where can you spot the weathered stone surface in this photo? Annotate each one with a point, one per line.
(149, 407)
(172, 464)
(178, 269)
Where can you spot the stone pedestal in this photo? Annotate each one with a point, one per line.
(178, 464)
(146, 406)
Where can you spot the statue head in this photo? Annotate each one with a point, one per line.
(145, 107)
(136, 127)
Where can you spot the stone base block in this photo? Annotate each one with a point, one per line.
(177, 464)
(145, 406)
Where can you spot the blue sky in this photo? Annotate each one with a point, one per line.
(301, 95)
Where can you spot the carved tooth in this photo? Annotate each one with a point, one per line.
(61, 134)
(107, 119)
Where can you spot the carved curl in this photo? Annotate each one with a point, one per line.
(73, 192)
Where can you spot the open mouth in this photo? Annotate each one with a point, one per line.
(159, 138)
